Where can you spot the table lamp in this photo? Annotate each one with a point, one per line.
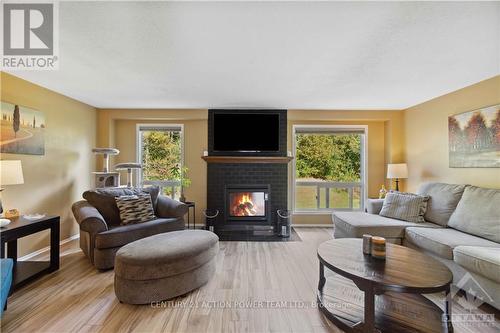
(11, 173)
(397, 172)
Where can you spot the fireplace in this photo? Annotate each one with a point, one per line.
(247, 203)
(246, 183)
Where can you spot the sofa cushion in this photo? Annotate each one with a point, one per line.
(356, 224)
(103, 200)
(405, 206)
(124, 234)
(374, 206)
(478, 213)
(442, 241)
(484, 261)
(443, 200)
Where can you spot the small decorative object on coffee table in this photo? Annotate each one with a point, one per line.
(392, 289)
(378, 247)
(367, 244)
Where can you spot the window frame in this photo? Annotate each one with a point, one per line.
(138, 141)
(364, 164)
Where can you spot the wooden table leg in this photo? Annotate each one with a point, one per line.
(2, 249)
(54, 247)
(447, 314)
(12, 250)
(369, 320)
(322, 279)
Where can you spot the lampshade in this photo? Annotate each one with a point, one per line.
(11, 173)
(399, 170)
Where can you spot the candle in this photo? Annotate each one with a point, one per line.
(367, 244)
(378, 247)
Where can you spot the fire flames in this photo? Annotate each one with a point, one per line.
(243, 205)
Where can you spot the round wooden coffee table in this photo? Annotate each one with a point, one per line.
(392, 289)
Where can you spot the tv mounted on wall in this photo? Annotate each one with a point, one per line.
(246, 131)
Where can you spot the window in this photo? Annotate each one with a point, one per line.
(329, 168)
(160, 150)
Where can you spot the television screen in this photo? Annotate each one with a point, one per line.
(246, 132)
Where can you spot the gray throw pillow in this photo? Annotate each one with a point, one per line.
(405, 206)
(135, 208)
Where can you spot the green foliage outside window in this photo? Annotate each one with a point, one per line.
(329, 157)
(161, 155)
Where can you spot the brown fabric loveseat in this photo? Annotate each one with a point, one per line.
(101, 234)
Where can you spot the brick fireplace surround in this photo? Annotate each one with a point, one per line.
(264, 170)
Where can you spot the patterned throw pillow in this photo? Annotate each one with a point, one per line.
(405, 206)
(135, 208)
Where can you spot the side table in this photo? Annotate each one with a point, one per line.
(191, 204)
(26, 271)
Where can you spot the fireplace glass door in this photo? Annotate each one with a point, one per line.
(246, 204)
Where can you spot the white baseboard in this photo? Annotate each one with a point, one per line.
(317, 225)
(47, 248)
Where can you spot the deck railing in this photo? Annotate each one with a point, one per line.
(166, 186)
(324, 194)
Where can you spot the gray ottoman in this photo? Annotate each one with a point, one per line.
(164, 266)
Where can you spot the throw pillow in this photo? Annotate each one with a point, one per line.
(405, 206)
(135, 208)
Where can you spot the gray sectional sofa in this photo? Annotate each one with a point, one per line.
(461, 229)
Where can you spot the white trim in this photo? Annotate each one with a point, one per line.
(325, 212)
(138, 151)
(364, 163)
(47, 248)
(316, 225)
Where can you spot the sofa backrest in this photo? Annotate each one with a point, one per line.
(103, 199)
(478, 213)
(443, 200)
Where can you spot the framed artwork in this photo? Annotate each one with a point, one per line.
(22, 130)
(474, 138)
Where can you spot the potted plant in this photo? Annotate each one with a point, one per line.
(180, 174)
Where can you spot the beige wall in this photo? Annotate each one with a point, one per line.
(426, 130)
(118, 129)
(52, 182)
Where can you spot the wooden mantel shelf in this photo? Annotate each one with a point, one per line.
(247, 159)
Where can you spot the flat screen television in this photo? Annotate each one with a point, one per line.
(246, 132)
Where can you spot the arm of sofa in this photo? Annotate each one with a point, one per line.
(167, 207)
(374, 206)
(88, 217)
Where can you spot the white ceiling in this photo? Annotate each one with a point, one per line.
(319, 55)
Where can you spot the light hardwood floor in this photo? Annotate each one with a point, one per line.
(78, 298)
